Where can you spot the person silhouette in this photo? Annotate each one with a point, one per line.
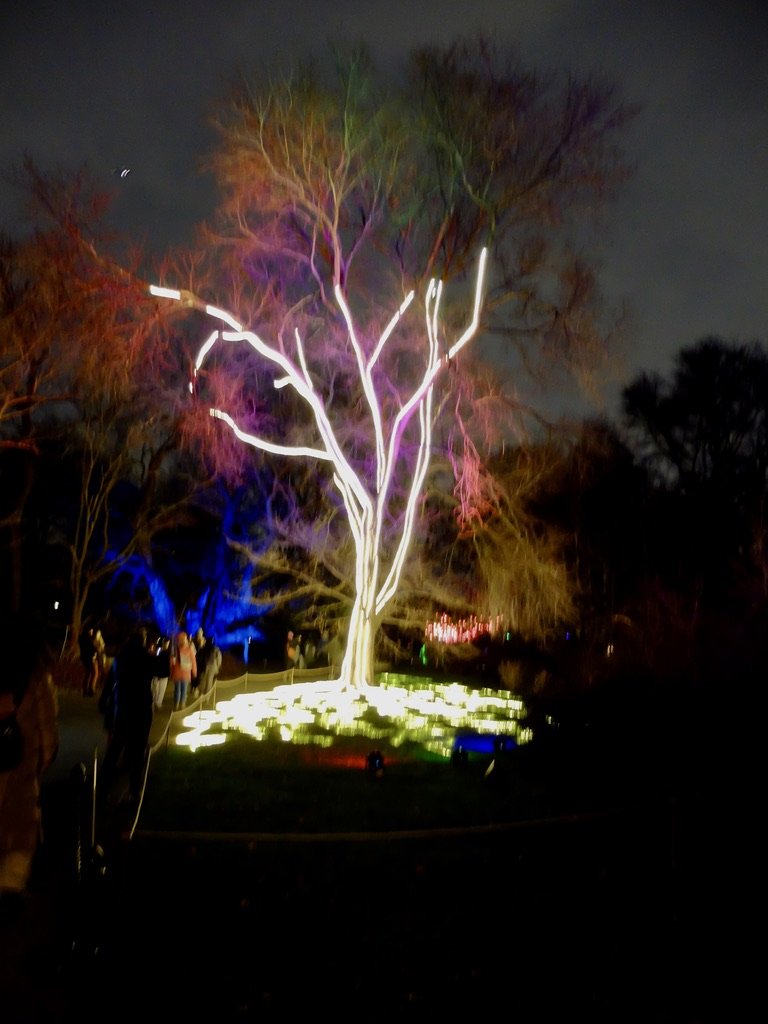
(133, 670)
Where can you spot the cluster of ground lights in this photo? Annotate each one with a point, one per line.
(398, 710)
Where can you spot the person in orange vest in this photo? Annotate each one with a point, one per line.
(291, 651)
(183, 669)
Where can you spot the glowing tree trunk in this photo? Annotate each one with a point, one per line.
(365, 500)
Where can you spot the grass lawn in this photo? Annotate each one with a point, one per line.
(268, 879)
(381, 896)
(269, 786)
(547, 886)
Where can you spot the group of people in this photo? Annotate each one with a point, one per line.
(128, 695)
(136, 686)
(301, 654)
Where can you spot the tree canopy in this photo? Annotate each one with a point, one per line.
(340, 195)
(702, 435)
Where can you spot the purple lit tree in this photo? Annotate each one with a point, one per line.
(343, 206)
(367, 490)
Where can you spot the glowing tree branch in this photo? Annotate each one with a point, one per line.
(366, 510)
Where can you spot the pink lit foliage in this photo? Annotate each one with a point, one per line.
(337, 194)
(446, 630)
(366, 496)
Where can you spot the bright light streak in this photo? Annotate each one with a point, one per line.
(205, 348)
(198, 736)
(164, 293)
(267, 446)
(422, 394)
(474, 323)
(227, 318)
(389, 328)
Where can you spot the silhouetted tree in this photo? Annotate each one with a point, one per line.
(704, 436)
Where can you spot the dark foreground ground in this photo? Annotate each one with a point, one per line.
(614, 913)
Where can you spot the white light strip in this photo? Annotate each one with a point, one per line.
(165, 293)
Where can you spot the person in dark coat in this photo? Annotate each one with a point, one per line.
(89, 657)
(132, 710)
(208, 657)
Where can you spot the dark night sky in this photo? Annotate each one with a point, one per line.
(113, 84)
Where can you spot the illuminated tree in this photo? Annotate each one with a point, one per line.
(339, 201)
(36, 309)
(88, 405)
(366, 497)
(23, 365)
(539, 596)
